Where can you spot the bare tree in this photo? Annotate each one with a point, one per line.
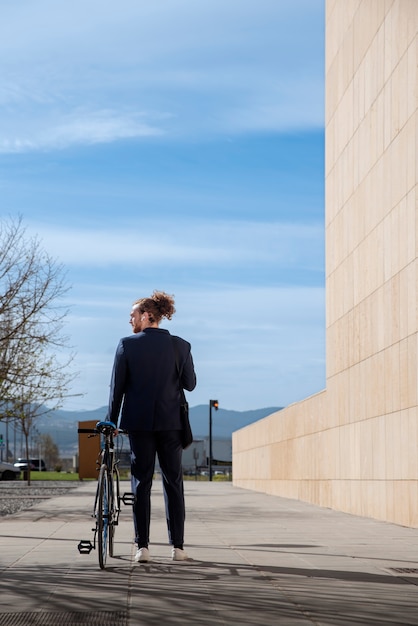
(50, 451)
(34, 352)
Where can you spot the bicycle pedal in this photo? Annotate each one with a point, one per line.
(85, 547)
(128, 498)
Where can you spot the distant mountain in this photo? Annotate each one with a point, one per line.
(62, 425)
(224, 421)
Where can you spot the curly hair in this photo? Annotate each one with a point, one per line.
(159, 305)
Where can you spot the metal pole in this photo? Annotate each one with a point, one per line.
(210, 440)
(7, 439)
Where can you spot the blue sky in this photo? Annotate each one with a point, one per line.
(176, 145)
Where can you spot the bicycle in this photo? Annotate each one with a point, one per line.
(107, 501)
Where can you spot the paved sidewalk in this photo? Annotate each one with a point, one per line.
(258, 560)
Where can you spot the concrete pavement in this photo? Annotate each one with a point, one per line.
(257, 560)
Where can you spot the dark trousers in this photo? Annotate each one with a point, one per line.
(167, 445)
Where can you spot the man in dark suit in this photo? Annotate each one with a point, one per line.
(149, 368)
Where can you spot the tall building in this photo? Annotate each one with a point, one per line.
(354, 446)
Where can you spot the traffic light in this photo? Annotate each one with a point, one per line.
(214, 404)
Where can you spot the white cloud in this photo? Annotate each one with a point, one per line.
(200, 242)
(79, 127)
(70, 75)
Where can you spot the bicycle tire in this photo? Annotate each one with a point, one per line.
(102, 515)
(116, 500)
(112, 516)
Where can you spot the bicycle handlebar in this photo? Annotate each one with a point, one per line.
(101, 427)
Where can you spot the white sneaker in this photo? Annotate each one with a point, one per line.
(142, 555)
(177, 554)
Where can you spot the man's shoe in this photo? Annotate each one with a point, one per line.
(142, 555)
(177, 554)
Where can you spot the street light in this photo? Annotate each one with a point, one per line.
(215, 405)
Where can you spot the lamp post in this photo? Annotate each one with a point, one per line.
(215, 405)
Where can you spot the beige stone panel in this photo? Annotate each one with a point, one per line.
(332, 27)
(402, 18)
(411, 219)
(393, 45)
(378, 426)
(357, 285)
(356, 336)
(366, 22)
(366, 449)
(405, 460)
(330, 351)
(373, 69)
(343, 397)
(387, 245)
(348, 293)
(387, 112)
(411, 135)
(379, 499)
(402, 213)
(328, 466)
(394, 82)
(412, 371)
(400, 514)
(330, 195)
(380, 121)
(404, 88)
(403, 303)
(386, 314)
(390, 500)
(325, 493)
(349, 332)
(349, 462)
(355, 400)
(404, 374)
(415, 201)
(330, 148)
(396, 308)
(399, 149)
(358, 116)
(380, 320)
(395, 241)
(373, 388)
(362, 310)
(378, 404)
(412, 71)
(358, 394)
(392, 430)
(396, 377)
(413, 504)
(388, 376)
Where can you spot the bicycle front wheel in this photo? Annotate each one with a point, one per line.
(103, 515)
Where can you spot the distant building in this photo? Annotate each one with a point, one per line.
(197, 455)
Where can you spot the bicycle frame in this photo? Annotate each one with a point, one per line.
(107, 500)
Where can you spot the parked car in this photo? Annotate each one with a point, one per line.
(8, 471)
(34, 465)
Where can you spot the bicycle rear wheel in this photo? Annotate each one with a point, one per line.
(103, 515)
(114, 503)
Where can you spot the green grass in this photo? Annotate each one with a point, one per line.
(52, 476)
(123, 475)
(64, 475)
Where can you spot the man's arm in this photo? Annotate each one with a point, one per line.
(188, 374)
(117, 385)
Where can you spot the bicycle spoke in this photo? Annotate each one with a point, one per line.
(103, 516)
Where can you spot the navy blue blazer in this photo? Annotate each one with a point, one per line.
(145, 381)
